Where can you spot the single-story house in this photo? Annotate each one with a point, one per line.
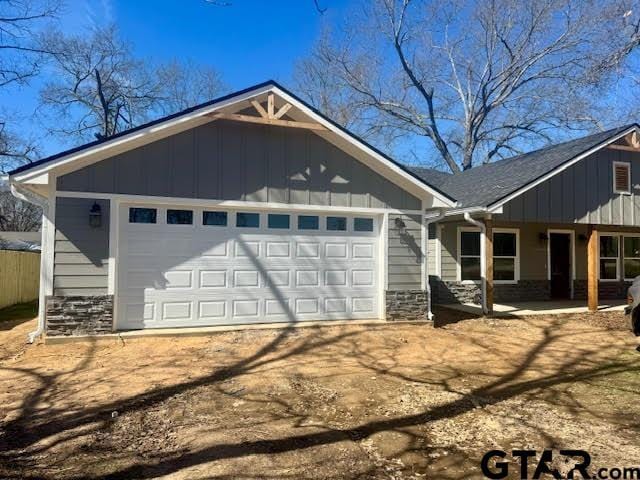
(251, 208)
(557, 223)
(256, 208)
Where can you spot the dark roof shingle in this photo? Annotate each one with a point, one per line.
(486, 184)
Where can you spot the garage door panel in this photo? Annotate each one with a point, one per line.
(335, 250)
(176, 310)
(245, 308)
(179, 279)
(278, 249)
(173, 275)
(213, 278)
(215, 309)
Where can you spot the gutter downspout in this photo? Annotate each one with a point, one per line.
(483, 258)
(428, 220)
(25, 195)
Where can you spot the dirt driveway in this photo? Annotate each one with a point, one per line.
(388, 401)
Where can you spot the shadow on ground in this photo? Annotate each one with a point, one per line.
(385, 401)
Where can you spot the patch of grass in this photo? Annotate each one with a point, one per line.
(21, 311)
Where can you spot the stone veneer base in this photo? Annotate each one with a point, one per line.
(79, 315)
(407, 305)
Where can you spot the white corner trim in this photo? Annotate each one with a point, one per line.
(383, 255)
(113, 245)
(493, 207)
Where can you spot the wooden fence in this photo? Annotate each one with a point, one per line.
(19, 277)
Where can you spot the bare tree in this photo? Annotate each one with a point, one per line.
(185, 84)
(21, 58)
(18, 216)
(14, 150)
(21, 55)
(96, 87)
(477, 79)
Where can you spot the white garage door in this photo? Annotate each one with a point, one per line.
(193, 266)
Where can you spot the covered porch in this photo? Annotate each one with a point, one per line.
(549, 307)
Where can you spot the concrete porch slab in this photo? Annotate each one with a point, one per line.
(552, 307)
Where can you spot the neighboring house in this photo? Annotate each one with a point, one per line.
(557, 223)
(252, 208)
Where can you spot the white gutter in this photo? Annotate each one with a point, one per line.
(428, 220)
(483, 257)
(30, 197)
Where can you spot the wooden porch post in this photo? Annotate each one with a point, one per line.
(592, 269)
(489, 264)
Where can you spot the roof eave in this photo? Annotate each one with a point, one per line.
(497, 204)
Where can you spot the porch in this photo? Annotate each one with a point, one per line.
(550, 307)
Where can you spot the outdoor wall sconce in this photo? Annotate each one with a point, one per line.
(95, 216)
(543, 237)
(582, 237)
(400, 226)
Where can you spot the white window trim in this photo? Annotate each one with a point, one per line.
(622, 257)
(609, 280)
(516, 259)
(459, 257)
(613, 174)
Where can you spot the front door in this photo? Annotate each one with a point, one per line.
(560, 265)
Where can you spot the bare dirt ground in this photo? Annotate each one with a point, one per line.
(388, 401)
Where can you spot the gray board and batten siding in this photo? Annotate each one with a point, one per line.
(228, 161)
(81, 252)
(231, 161)
(583, 193)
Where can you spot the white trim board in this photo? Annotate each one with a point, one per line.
(368, 156)
(143, 199)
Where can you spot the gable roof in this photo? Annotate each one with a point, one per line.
(204, 108)
(489, 184)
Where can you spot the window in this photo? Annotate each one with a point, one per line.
(179, 217)
(336, 223)
(278, 220)
(631, 260)
(218, 219)
(251, 220)
(142, 215)
(621, 177)
(308, 222)
(609, 257)
(363, 224)
(469, 254)
(505, 256)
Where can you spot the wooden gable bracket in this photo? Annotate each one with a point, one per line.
(267, 117)
(632, 141)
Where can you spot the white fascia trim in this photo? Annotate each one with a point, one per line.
(198, 114)
(72, 157)
(198, 202)
(493, 207)
(372, 153)
(471, 210)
